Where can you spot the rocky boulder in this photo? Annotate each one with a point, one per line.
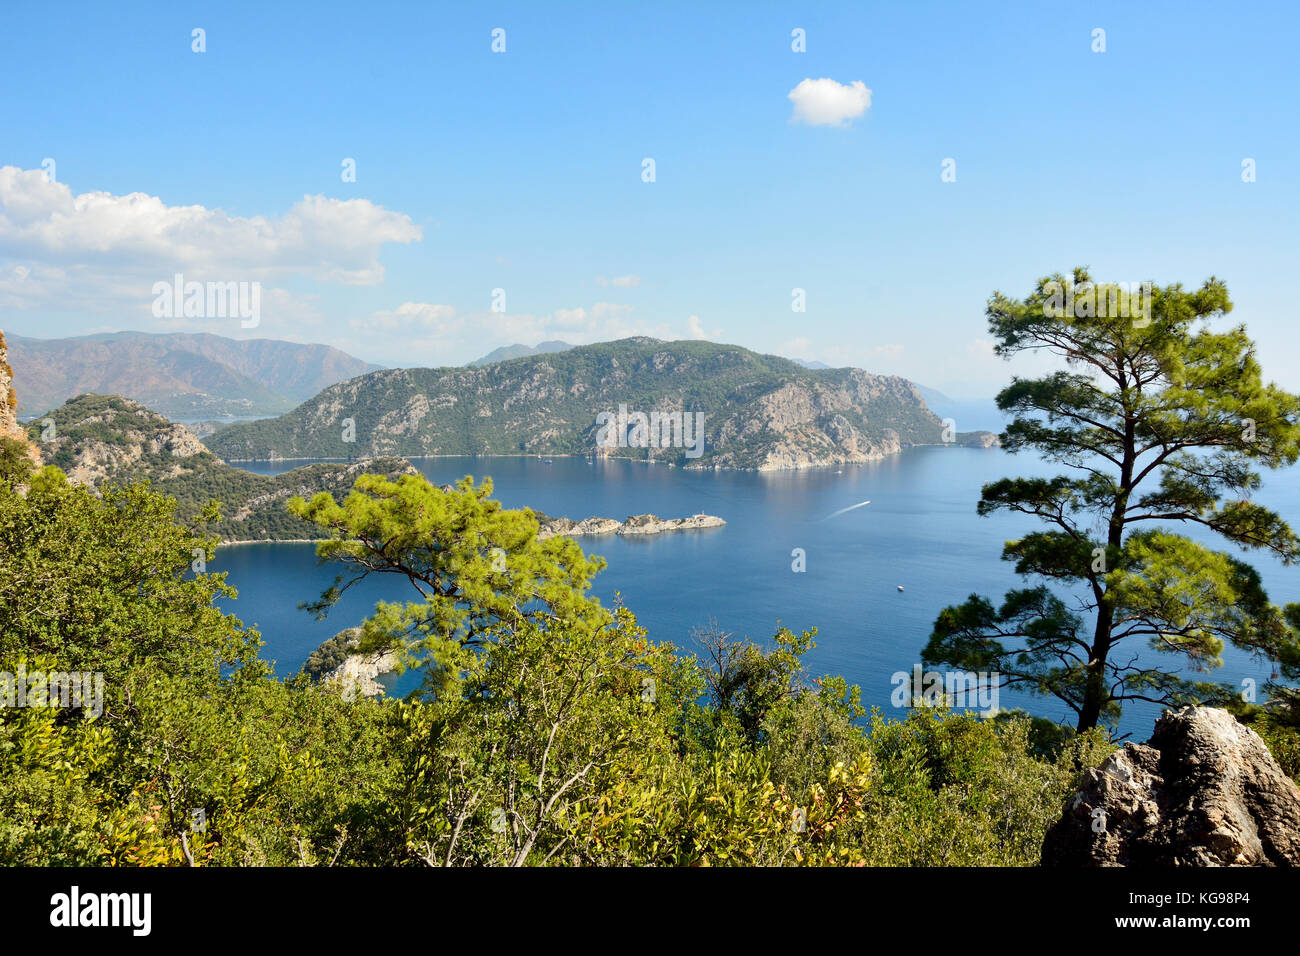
(1203, 791)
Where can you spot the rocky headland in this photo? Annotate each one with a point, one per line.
(337, 663)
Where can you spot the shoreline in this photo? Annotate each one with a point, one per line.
(227, 544)
(353, 461)
(636, 461)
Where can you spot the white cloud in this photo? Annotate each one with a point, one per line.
(580, 325)
(420, 333)
(890, 352)
(36, 288)
(827, 103)
(281, 315)
(619, 282)
(798, 348)
(283, 310)
(439, 319)
(609, 312)
(568, 317)
(476, 333)
(413, 334)
(106, 238)
(21, 287)
(695, 329)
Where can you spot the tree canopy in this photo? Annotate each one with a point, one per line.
(1162, 420)
(474, 567)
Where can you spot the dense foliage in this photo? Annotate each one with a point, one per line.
(550, 730)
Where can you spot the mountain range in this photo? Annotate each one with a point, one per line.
(181, 375)
(206, 380)
(759, 411)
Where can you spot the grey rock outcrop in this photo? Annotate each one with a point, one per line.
(359, 673)
(134, 433)
(9, 427)
(577, 529)
(634, 525)
(1203, 791)
(337, 663)
(651, 524)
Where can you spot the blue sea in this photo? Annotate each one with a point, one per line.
(919, 531)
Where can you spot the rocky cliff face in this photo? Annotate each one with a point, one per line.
(1203, 791)
(338, 664)
(9, 427)
(810, 422)
(979, 440)
(359, 674)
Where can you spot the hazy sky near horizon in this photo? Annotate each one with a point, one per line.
(126, 157)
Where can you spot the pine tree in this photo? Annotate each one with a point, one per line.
(1160, 420)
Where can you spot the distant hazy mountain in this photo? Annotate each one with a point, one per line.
(760, 411)
(967, 414)
(177, 374)
(933, 397)
(507, 352)
(812, 365)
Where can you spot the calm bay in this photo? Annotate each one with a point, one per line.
(919, 531)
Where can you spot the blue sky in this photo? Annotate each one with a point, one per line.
(522, 170)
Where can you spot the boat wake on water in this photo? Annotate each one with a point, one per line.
(835, 514)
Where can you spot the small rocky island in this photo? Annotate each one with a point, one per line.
(634, 525)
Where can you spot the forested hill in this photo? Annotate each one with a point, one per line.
(760, 411)
(105, 438)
